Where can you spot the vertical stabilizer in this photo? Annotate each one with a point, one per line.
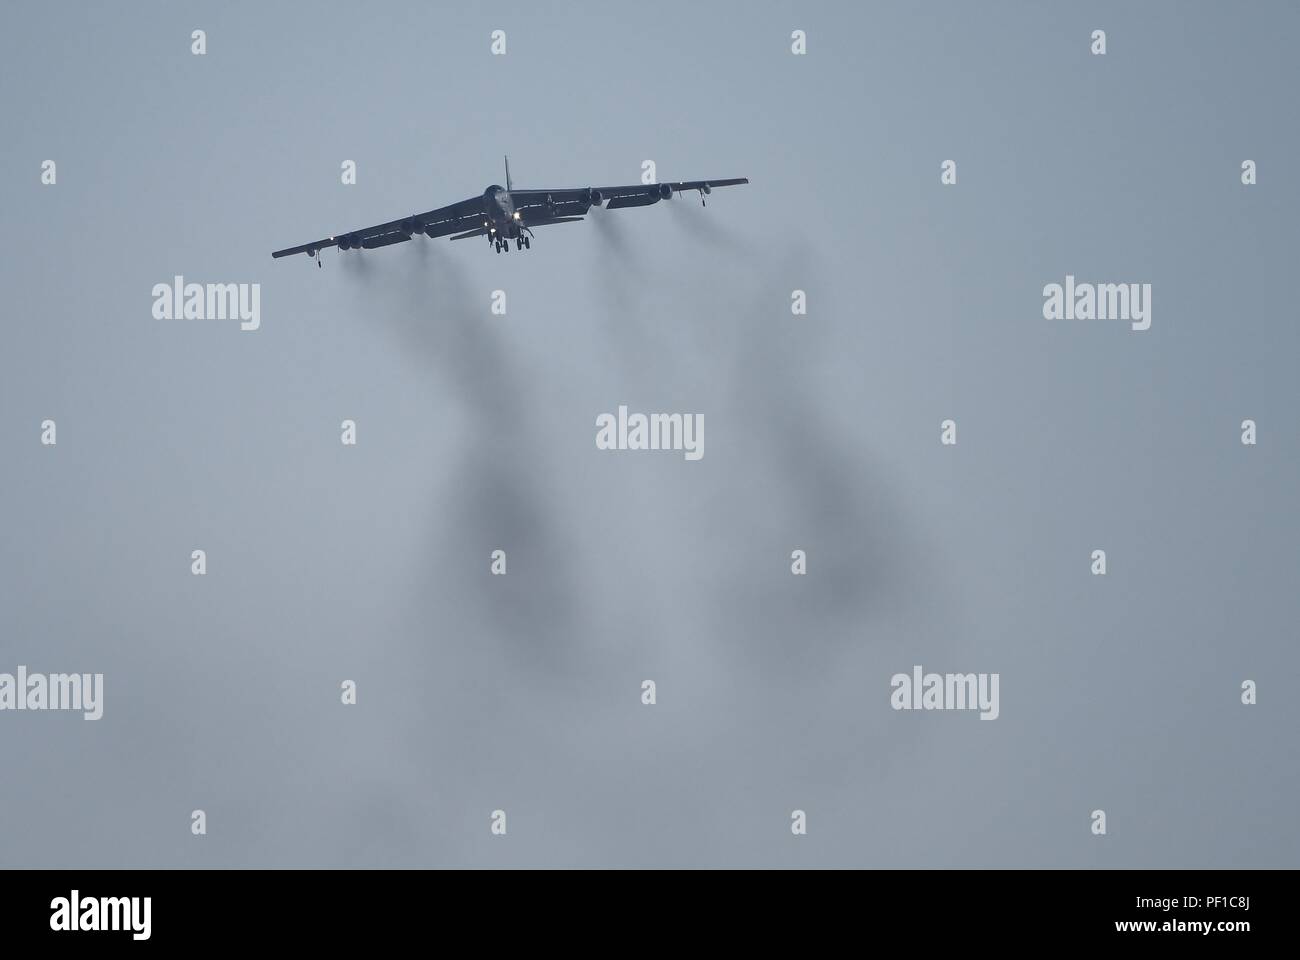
(509, 185)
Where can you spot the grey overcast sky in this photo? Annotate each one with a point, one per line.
(475, 432)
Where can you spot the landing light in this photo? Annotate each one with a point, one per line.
(516, 214)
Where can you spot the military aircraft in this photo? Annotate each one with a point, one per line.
(503, 214)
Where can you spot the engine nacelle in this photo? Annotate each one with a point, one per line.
(595, 197)
(665, 191)
(344, 243)
(705, 188)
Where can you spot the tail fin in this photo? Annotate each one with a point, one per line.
(509, 185)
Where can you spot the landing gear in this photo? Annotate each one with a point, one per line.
(502, 244)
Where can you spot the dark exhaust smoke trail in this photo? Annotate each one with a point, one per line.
(709, 226)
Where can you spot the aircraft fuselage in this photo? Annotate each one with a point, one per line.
(503, 222)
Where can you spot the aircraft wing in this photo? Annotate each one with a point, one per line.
(444, 221)
(638, 189)
(536, 204)
(644, 194)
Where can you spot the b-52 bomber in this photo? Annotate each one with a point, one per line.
(503, 214)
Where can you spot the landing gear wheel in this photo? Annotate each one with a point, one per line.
(527, 244)
(519, 243)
